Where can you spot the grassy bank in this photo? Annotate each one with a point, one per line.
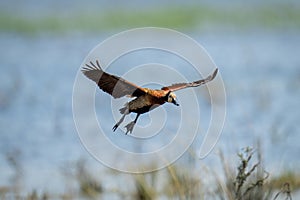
(245, 179)
(186, 17)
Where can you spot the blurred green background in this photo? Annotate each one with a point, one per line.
(67, 17)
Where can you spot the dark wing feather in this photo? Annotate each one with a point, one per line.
(179, 86)
(113, 85)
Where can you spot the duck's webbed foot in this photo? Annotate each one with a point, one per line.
(129, 127)
(115, 127)
(118, 124)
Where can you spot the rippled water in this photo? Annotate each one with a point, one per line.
(261, 71)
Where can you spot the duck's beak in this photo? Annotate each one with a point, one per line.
(174, 102)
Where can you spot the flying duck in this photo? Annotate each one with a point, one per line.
(145, 99)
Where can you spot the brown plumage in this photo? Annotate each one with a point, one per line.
(146, 99)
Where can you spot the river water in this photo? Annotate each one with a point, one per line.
(260, 69)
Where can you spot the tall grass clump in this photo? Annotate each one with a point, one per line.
(145, 186)
(89, 186)
(183, 184)
(249, 180)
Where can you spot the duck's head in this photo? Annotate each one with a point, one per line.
(172, 98)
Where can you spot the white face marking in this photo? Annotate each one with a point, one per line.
(171, 97)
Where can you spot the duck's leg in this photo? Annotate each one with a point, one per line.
(119, 122)
(130, 126)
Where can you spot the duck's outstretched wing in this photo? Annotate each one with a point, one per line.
(179, 86)
(113, 85)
